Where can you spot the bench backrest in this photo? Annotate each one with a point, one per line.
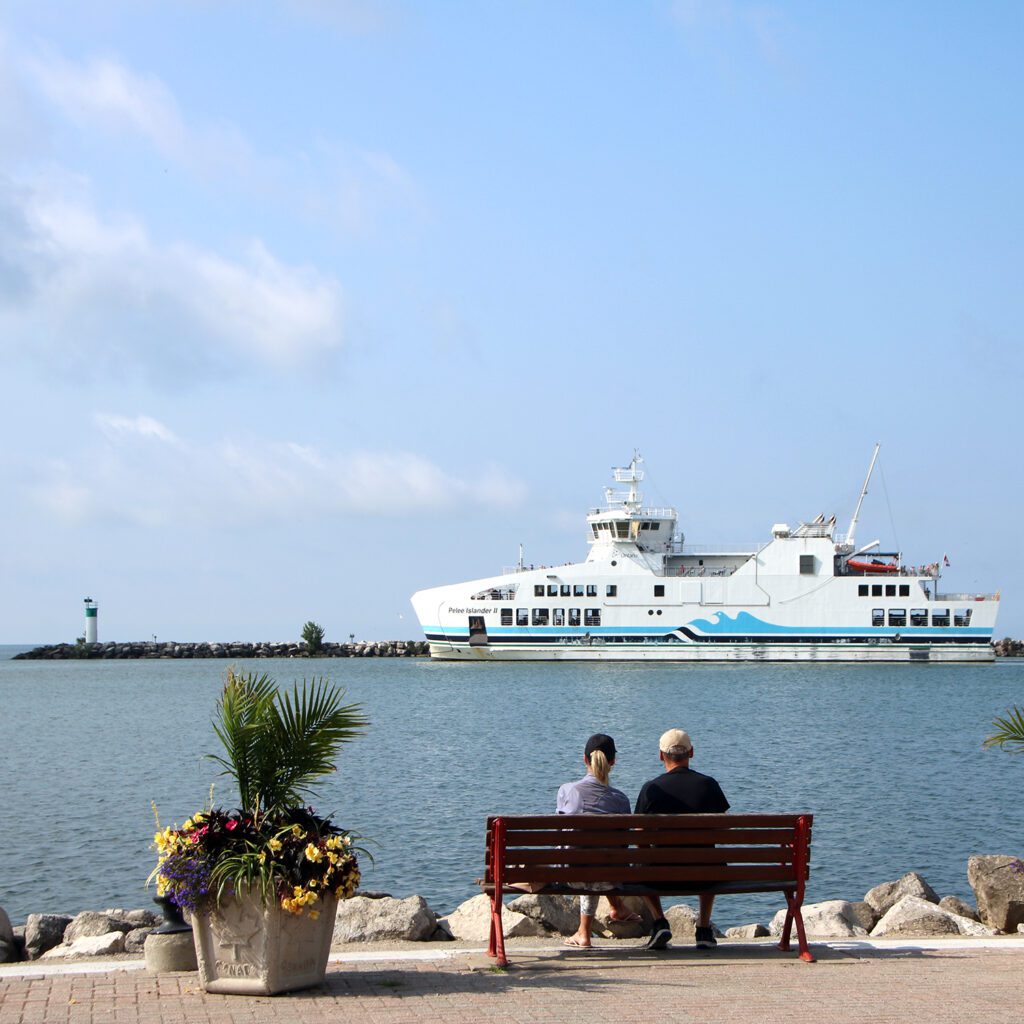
(638, 849)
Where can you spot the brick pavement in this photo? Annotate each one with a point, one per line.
(732, 985)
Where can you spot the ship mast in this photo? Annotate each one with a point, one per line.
(850, 534)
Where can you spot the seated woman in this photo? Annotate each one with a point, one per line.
(593, 795)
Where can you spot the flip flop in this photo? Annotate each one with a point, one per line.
(573, 941)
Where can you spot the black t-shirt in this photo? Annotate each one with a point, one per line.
(681, 791)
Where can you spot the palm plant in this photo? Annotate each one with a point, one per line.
(279, 745)
(1009, 733)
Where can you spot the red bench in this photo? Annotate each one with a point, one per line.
(648, 854)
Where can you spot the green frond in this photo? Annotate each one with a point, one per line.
(278, 745)
(1009, 734)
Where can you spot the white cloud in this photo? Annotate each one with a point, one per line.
(101, 291)
(147, 475)
(115, 427)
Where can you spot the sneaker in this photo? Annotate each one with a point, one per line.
(661, 935)
(706, 938)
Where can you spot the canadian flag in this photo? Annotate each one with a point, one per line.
(945, 560)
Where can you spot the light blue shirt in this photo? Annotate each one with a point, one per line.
(588, 796)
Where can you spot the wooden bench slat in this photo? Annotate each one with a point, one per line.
(653, 821)
(566, 857)
(629, 873)
(663, 837)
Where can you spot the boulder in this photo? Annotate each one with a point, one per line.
(960, 907)
(135, 940)
(682, 919)
(140, 918)
(43, 932)
(747, 931)
(864, 914)
(833, 919)
(8, 950)
(559, 914)
(362, 919)
(96, 922)
(888, 894)
(998, 884)
(915, 917)
(88, 945)
(471, 921)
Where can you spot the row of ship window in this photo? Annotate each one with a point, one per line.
(578, 590)
(876, 590)
(620, 530)
(919, 616)
(552, 616)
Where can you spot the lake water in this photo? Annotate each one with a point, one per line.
(889, 760)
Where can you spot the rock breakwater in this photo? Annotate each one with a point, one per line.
(173, 649)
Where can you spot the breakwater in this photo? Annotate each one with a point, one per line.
(173, 649)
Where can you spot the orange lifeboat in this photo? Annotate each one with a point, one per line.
(874, 566)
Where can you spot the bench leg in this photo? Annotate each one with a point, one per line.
(793, 916)
(496, 942)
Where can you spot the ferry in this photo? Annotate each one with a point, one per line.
(809, 593)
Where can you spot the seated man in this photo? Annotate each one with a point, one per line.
(680, 790)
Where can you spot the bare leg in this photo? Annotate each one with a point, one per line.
(707, 901)
(620, 912)
(655, 907)
(581, 937)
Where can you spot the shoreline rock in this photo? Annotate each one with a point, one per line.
(172, 649)
(906, 907)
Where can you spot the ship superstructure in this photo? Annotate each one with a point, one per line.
(806, 594)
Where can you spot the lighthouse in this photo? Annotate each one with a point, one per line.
(90, 620)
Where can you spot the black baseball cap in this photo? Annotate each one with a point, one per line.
(600, 742)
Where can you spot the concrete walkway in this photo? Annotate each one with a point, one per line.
(862, 981)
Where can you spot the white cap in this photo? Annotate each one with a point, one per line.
(676, 743)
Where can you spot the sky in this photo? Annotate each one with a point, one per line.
(308, 305)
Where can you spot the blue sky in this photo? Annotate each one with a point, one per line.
(307, 305)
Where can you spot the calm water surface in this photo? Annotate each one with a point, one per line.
(888, 759)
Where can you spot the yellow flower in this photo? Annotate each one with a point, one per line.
(298, 891)
(263, 857)
(313, 853)
(187, 825)
(296, 831)
(275, 845)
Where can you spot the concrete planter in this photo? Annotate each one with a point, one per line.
(246, 948)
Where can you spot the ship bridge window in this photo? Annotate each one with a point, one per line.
(540, 616)
(645, 526)
(897, 616)
(593, 526)
(592, 617)
(877, 616)
(659, 589)
(506, 616)
(962, 616)
(552, 590)
(622, 530)
(807, 565)
(876, 589)
(577, 590)
(919, 616)
(565, 590)
(862, 590)
(574, 616)
(591, 590)
(557, 616)
(940, 616)
(538, 590)
(522, 616)
(611, 590)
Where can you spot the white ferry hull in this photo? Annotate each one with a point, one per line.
(827, 652)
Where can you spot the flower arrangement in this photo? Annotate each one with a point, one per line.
(277, 748)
